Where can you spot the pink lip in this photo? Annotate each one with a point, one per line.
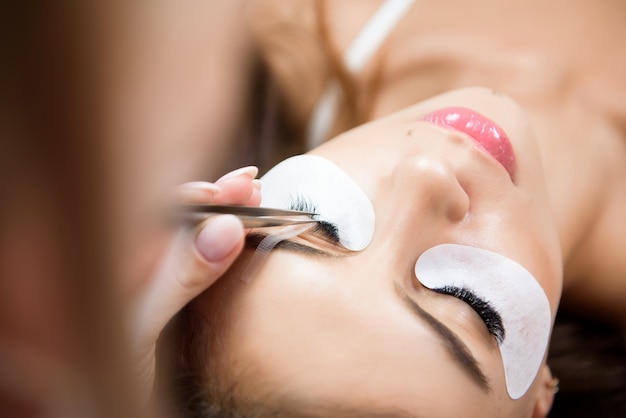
(482, 130)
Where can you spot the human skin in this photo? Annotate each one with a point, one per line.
(333, 329)
(569, 84)
(111, 105)
(190, 263)
(173, 91)
(173, 88)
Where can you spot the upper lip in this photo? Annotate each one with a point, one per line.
(484, 132)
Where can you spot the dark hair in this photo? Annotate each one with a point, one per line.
(589, 358)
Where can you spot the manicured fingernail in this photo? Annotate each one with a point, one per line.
(256, 183)
(219, 237)
(251, 171)
(198, 190)
(201, 185)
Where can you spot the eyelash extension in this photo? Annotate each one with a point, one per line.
(267, 245)
(487, 313)
(305, 204)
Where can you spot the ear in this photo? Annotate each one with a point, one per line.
(548, 387)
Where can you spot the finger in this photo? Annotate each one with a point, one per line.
(249, 171)
(189, 267)
(237, 186)
(255, 197)
(197, 192)
(239, 190)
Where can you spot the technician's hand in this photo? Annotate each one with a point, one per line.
(195, 259)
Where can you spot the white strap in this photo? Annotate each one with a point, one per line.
(362, 48)
(374, 33)
(323, 115)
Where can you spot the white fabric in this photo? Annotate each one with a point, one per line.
(363, 47)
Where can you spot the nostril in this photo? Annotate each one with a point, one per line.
(432, 181)
(458, 211)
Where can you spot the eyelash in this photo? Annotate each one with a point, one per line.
(327, 229)
(487, 313)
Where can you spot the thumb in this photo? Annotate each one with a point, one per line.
(189, 267)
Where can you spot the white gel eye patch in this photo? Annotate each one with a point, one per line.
(335, 196)
(511, 290)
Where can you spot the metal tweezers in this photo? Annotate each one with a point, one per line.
(251, 216)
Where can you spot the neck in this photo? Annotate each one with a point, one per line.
(585, 165)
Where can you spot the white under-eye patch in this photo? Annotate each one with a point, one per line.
(337, 198)
(510, 289)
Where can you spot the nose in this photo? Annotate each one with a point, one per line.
(421, 205)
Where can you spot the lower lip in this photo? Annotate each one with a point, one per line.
(489, 136)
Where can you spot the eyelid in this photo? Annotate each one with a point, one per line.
(327, 230)
(436, 295)
(316, 238)
(307, 244)
(306, 204)
(455, 346)
(485, 310)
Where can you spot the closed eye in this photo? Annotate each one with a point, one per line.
(326, 229)
(491, 317)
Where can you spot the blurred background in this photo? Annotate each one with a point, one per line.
(106, 106)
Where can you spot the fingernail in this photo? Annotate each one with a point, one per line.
(251, 171)
(256, 183)
(219, 237)
(198, 191)
(201, 185)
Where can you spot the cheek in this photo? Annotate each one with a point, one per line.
(535, 241)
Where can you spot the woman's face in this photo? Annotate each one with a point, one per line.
(368, 329)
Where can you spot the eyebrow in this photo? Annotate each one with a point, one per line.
(454, 345)
(458, 350)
